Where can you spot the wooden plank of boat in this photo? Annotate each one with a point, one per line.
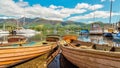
(90, 58)
(10, 56)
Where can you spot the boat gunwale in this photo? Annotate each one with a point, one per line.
(93, 51)
(2, 48)
(22, 56)
(28, 51)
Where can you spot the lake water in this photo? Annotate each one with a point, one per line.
(61, 62)
(97, 39)
(88, 38)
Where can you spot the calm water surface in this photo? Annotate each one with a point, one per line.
(61, 62)
(99, 40)
(88, 38)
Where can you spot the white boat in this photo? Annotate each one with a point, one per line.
(25, 31)
(27, 35)
(4, 32)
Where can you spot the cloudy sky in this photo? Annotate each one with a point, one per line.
(73, 10)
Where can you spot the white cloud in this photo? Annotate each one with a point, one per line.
(112, 0)
(71, 11)
(81, 5)
(103, 0)
(88, 6)
(10, 8)
(107, 0)
(96, 14)
(21, 9)
(21, 3)
(55, 7)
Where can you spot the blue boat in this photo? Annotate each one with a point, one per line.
(107, 35)
(85, 31)
(116, 37)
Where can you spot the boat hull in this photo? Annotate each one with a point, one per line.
(11, 56)
(89, 58)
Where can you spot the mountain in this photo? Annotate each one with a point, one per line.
(30, 20)
(38, 21)
(10, 22)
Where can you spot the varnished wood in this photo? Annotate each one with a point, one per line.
(13, 55)
(91, 58)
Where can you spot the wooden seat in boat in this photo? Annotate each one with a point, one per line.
(52, 39)
(115, 49)
(81, 43)
(102, 47)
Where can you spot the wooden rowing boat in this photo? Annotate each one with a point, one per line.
(96, 29)
(52, 38)
(94, 56)
(69, 38)
(14, 55)
(14, 39)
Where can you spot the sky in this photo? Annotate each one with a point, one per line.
(85, 11)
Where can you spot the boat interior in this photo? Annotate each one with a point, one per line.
(89, 45)
(17, 40)
(52, 38)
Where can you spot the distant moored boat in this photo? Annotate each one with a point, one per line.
(96, 29)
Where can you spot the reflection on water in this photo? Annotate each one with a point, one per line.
(88, 38)
(61, 62)
(55, 63)
(30, 37)
(65, 63)
(97, 39)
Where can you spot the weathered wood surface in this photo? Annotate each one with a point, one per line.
(90, 58)
(10, 56)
